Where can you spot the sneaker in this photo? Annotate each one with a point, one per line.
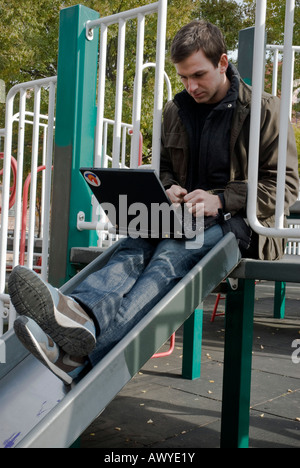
(38, 343)
(59, 316)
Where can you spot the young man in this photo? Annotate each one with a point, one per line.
(205, 136)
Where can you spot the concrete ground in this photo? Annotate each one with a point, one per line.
(160, 410)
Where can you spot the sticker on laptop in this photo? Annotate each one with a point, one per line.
(92, 179)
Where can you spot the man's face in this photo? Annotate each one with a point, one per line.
(205, 83)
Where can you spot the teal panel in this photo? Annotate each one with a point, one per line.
(74, 138)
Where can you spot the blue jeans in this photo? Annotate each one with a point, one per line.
(138, 275)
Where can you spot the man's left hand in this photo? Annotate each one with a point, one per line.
(212, 203)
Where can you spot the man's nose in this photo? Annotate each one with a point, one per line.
(192, 85)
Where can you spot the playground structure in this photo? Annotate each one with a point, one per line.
(75, 146)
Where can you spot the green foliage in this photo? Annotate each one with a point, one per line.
(29, 42)
(275, 24)
(227, 15)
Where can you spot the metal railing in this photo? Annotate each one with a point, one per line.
(15, 134)
(120, 19)
(121, 130)
(126, 129)
(276, 49)
(99, 219)
(20, 117)
(287, 75)
(117, 155)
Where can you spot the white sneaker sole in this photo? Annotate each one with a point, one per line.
(31, 297)
(30, 343)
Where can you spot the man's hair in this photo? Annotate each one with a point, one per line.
(195, 36)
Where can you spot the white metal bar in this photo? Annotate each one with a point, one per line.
(124, 130)
(33, 185)
(159, 83)
(287, 78)
(20, 117)
(19, 182)
(121, 18)
(123, 15)
(6, 187)
(137, 100)
(275, 73)
(101, 97)
(119, 93)
(43, 82)
(255, 125)
(48, 178)
(292, 85)
(104, 159)
(43, 178)
(257, 88)
(167, 79)
(16, 116)
(281, 47)
(124, 141)
(136, 116)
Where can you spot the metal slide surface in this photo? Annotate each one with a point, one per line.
(38, 411)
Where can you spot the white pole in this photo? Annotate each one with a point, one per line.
(275, 73)
(34, 164)
(48, 178)
(101, 98)
(6, 187)
(19, 186)
(257, 88)
(287, 71)
(119, 93)
(137, 100)
(123, 15)
(159, 83)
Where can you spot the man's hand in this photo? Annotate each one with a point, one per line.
(211, 203)
(176, 194)
(196, 201)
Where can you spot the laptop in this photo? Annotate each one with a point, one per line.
(137, 204)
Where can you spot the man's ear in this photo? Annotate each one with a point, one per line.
(223, 64)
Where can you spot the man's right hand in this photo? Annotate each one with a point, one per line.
(176, 194)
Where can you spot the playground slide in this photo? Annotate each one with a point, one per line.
(38, 411)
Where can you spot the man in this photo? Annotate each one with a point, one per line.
(204, 155)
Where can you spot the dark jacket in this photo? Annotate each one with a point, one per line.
(175, 159)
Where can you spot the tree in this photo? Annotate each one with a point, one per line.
(226, 14)
(275, 24)
(29, 40)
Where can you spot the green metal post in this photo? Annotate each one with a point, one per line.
(192, 345)
(237, 366)
(74, 138)
(279, 299)
(246, 53)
